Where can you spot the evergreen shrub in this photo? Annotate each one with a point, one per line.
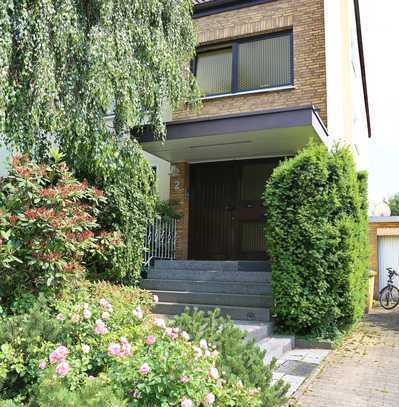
(316, 232)
(240, 358)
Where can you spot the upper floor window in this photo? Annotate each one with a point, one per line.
(246, 65)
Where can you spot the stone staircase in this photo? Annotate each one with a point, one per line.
(240, 289)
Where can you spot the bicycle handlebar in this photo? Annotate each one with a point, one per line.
(391, 270)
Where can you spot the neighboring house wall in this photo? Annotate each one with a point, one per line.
(4, 157)
(346, 112)
(306, 17)
(162, 169)
(380, 226)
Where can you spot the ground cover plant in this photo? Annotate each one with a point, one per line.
(316, 232)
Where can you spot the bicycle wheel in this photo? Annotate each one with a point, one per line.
(389, 297)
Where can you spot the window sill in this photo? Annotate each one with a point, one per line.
(249, 92)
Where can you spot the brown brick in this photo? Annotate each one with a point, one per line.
(179, 189)
(306, 18)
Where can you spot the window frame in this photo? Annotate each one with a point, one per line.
(235, 55)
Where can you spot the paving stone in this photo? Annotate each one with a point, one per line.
(363, 371)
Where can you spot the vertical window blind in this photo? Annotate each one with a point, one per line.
(246, 65)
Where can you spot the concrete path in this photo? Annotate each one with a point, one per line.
(363, 372)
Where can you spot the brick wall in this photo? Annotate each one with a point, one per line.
(306, 17)
(179, 189)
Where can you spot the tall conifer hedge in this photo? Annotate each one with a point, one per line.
(316, 231)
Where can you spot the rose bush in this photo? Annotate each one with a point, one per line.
(48, 228)
(103, 336)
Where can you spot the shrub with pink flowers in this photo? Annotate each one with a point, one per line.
(64, 349)
(48, 228)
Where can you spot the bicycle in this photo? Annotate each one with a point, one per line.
(389, 295)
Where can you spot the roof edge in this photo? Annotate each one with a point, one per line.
(219, 6)
(362, 64)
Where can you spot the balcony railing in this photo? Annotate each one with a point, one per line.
(160, 241)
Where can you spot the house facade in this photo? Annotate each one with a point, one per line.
(275, 74)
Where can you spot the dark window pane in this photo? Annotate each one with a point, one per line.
(265, 63)
(214, 70)
(253, 180)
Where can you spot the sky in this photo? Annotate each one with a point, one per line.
(380, 21)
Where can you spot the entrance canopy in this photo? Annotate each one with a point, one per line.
(268, 133)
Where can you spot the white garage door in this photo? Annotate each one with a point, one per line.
(388, 256)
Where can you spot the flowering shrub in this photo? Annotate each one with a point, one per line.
(48, 227)
(102, 336)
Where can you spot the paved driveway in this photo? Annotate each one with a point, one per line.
(364, 372)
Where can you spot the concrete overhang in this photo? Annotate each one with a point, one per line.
(270, 133)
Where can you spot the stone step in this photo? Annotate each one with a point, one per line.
(212, 265)
(255, 330)
(276, 346)
(208, 286)
(236, 313)
(214, 275)
(238, 300)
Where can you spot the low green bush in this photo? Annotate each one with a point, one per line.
(316, 232)
(240, 358)
(98, 336)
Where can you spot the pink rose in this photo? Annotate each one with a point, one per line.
(138, 313)
(62, 369)
(105, 304)
(150, 340)
(171, 333)
(100, 327)
(209, 399)
(85, 348)
(86, 313)
(185, 336)
(160, 323)
(144, 369)
(214, 373)
(42, 364)
(126, 349)
(59, 354)
(123, 339)
(114, 349)
(105, 315)
(186, 403)
(183, 379)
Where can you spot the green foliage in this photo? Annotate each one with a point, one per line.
(394, 204)
(240, 358)
(132, 360)
(91, 393)
(47, 219)
(65, 65)
(129, 185)
(316, 234)
(167, 210)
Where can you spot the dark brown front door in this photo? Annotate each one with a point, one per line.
(226, 213)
